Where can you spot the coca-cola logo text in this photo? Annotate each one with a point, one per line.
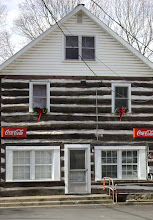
(15, 132)
(145, 133)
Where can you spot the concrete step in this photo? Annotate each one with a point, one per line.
(139, 202)
(41, 191)
(31, 191)
(55, 200)
(57, 203)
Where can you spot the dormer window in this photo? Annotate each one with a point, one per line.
(80, 47)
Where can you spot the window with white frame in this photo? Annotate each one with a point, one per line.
(121, 96)
(39, 95)
(80, 47)
(32, 163)
(120, 163)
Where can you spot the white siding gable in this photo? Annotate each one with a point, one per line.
(46, 57)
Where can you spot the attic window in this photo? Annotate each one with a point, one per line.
(79, 18)
(80, 47)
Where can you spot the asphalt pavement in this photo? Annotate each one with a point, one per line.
(113, 212)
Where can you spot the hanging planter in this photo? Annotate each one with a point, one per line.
(121, 111)
(39, 111)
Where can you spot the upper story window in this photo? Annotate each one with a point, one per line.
(121, 96)
(80, 47)
(72, 47)
(39, 95)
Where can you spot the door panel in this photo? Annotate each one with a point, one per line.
(78, 170)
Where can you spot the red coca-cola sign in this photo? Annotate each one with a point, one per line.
(13, 132)
(143, 132)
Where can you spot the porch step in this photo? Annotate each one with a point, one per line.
(41, 191)
(31, 191)
(139, 202)
(68, 200)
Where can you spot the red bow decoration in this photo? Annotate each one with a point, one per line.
(40, 111)
(121, 111)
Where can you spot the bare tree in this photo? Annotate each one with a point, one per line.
(134, 21)
(3, 13)
(6, 46)
(34, 18)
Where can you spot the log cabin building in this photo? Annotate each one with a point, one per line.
(80, 76)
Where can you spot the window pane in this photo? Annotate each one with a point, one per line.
(72, 53)
(121, 103)
(43, 157)
(103, 153)
(121, 92)
(21, 172)
(109, 164)
(129, 169)
(39, 102)
(43, 164)
(103, 160)
(77, 176)
(21, 157)
(71, 41)
(43, 172)
(134, 160)
(88, 42)
(77, 159)
(39, 90)
(109, 171)
(135, 153)
(88, 54)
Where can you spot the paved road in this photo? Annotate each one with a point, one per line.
(79, 213)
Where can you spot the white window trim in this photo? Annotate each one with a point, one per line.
(113, 94)
(56, 175)
(31, 94)
(142, 174)
(80, 35)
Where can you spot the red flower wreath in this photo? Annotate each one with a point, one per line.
(121, 111)
(40, 111)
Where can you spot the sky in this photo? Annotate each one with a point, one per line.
(12, 6)
(12, 13)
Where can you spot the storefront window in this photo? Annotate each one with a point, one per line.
(32, 163)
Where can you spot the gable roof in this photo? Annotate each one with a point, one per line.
(96, 20)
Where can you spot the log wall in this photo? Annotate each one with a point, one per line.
(72, 117)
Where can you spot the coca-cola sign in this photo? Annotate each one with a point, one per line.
(13, 132)
(143, 132)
